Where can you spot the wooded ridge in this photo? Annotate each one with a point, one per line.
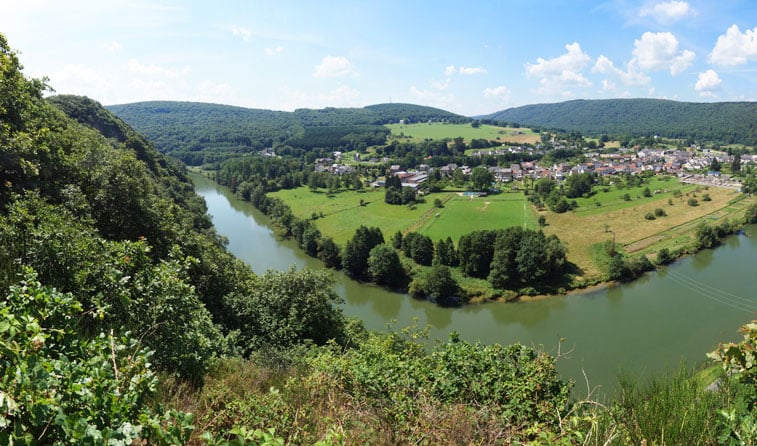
(724, 122)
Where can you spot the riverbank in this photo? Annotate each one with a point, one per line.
(684, 309)
(589, 257)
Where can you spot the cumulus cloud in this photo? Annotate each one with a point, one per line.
(659, 51)
(240, 31)
(735, 47)
(334, 66)
(631, 76)
(708, 84)
(667, 12)
(155, 70)
(562, 72)
(450, 70)
(274, 51)
(501, 92)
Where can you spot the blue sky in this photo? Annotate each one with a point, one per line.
(470, 57)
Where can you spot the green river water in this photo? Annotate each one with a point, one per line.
(653, 323)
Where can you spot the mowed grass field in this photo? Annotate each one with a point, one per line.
(420, 132)
(342, 213)
(585, 230)
(462, 215)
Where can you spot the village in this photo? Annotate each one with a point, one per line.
(689, 166)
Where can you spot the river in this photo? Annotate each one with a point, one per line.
(678, 313)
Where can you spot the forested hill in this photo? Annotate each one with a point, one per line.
(725, 122)
(199, 133)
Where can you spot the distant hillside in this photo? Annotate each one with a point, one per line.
(726, 122)
(199, 133)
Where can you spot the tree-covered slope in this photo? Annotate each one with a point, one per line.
(198, 133)
(391, 113)
(726, 122)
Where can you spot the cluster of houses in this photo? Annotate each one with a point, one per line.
(626, 161)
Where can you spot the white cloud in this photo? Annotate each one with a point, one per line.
(472, 70)
(274, 51)
(155, 70)
(562, 72)
(667, 12)
(466, 71)
(735, 48)
(497, 92)
(708, 83)
(342, 96)
(631, 76)
(500, 93)
(440, 85)
(334, 66)
(659, 51)
(242, 32)
(573, 60)
(608, 85)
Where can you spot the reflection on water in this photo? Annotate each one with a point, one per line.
(679, 312)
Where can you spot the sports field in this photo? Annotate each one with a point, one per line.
(463, 214)
(420, 132)
(343, 214)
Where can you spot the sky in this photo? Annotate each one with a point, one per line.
(470, 57)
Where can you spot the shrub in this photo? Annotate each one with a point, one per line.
(706, 197)
(692, 202)
(659, 212)
(626, 197)
(664, 257)
(649, 216)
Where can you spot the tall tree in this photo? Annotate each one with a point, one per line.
(481, 178)
(384, 266)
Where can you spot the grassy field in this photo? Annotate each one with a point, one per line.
(461, 215)
(342, 213)
(420, 132)
(589, 227)
(583, 231)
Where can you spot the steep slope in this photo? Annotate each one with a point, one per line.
(726, 122)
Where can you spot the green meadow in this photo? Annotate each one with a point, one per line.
(420, 132)
(462, 215)
(339, 215)
(611, 200)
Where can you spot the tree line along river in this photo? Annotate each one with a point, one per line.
(678, 313)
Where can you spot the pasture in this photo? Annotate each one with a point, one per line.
(420, 132)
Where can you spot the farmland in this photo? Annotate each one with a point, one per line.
(420, 132)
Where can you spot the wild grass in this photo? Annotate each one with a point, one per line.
(669, 408)
(590, 225)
